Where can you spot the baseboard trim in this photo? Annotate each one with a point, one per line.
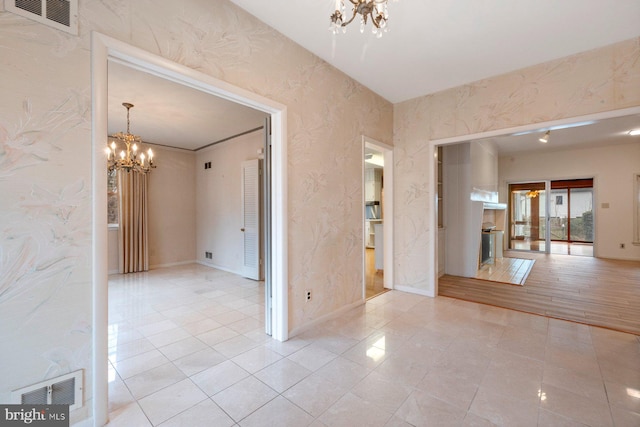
(321, 319)
(218, 267)
(412, 290)
(173, 264)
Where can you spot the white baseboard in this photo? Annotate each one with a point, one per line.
(173, 264)
(324, 318)
(412, 290)
(219, 267)
(151, 267)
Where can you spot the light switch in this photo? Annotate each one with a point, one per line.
(605, 205)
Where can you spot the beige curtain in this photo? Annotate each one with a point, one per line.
(133, 233)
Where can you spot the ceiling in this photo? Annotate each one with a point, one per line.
(433, 45)
(171, 114)
(467, 39)
(613, 131)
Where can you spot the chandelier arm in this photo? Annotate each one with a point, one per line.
(355, 13)
(373, 19)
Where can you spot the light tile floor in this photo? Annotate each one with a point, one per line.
(506, 270)
(187, 348)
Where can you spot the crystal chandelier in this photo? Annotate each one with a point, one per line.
(374, 9)
(128, 159)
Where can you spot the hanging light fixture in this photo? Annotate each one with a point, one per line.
(128, 159)
(374, 9)
(545, 138)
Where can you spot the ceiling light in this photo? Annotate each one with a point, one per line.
(374, 9)
(545, 138)
(557, 127)
(129, 159)
(634, 132)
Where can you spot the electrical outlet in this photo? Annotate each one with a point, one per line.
(308, 295)
(621, 245)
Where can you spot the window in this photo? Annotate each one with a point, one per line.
(440, 189)
(112, 198)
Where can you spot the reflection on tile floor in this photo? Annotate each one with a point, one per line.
(187, 348)
(506, 270)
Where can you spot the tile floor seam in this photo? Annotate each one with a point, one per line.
(352, 335)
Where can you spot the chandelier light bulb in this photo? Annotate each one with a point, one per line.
(122, 154)
(374, 9)
(142, 159)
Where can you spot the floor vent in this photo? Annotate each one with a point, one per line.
(59, 14)
(64, 390)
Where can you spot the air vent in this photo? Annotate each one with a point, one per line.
(64, 390)
(59, 14)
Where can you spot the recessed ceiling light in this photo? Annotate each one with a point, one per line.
(634, 132)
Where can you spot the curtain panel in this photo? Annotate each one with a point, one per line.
(133, 232)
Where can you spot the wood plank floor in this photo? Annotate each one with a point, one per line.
(594, 291)
(374, 278)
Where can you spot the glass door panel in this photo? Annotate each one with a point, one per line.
(559, 214)
(581, 215)
(527, 217)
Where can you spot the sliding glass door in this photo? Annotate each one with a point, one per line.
(546, 213)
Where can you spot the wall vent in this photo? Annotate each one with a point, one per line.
(59, 14)
(64, 390)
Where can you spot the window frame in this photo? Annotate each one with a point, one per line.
(636, 209)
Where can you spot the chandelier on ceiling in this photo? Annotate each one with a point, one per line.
(128, 160)
(374, 9)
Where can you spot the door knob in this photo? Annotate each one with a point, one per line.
(242, 229)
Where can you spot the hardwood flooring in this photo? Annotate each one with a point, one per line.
(593, 291)
(374, 278)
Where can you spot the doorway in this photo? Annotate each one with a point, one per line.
(378, 217)
(103, 50)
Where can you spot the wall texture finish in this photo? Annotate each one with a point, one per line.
(172, 208)
(45, 158)
(612, 167)
(219, 201)
(591, 82)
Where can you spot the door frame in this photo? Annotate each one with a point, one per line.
(387, 212)
(103, 50)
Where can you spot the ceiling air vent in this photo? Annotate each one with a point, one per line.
(59, 14)
(64, 390)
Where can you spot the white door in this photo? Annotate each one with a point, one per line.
(251, 218)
